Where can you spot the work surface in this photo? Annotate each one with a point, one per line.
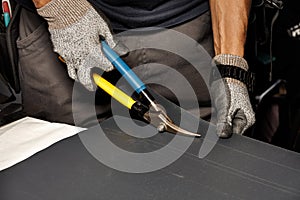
(86, 166)
(236, 168)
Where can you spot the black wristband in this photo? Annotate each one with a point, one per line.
(228, 71)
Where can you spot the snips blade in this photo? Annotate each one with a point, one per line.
(158, 118)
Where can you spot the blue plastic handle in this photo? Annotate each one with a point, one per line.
(123, 68)
(6, 18)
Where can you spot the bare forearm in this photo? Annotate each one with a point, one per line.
(230, 21)
(40, 3)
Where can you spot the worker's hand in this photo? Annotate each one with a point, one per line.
(75, 27)
(231, 100)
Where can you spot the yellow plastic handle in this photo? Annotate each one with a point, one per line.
(113, 91)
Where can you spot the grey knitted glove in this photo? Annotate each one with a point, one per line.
(231, 99)
(75, 27)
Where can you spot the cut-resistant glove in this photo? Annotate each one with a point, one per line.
(75, 28)
(231, 99)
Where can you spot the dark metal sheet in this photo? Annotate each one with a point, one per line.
(236, 168)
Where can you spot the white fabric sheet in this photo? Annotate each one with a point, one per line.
(23, 138)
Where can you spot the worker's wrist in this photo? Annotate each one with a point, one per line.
(62, 13)
(40, 3)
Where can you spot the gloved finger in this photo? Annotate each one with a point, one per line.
(97, 59)
(120, 48)
(250, 116)
(71, 71)
(239, 122)
(85, 78)
(221, 103)
(116, 44)
(224, 130)
(94, 59)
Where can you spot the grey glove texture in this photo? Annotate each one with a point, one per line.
(75, 27)
(231, 100)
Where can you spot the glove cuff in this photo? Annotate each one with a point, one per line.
(233, 69)
(232, 60)
(62, 13)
